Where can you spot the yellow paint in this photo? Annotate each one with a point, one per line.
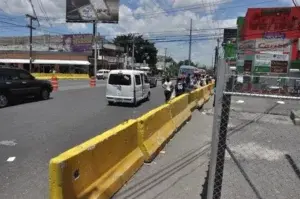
(155, 127)
(47, 76)
(104, 162)
(180, 111)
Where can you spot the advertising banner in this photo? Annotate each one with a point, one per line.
(229, 35)
(282, 45)
(85, 11)
(77, 43)
(269, 57)
(279, 67)
(247, 46)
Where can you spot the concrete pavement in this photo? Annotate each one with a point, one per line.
(179, 170)
(267, 150)
(33, 133)
(263, 139)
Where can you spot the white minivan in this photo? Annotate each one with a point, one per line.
(127, 86)
(102, 74)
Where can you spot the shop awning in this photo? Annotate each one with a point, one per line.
(61, 62)
(45, 61)
(14, 61)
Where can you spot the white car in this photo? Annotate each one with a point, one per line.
(127, 86)
(102, 74)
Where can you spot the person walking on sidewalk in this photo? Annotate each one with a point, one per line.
(168, 89)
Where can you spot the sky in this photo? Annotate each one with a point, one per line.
(165, 22)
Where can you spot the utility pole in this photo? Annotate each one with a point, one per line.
(31, 18)
(95, 47)
(132, 59)
(102, 51)
(165, 59)
(190, 46)
(216, 56)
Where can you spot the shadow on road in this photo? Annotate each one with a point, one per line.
(149, 182)
(293, 165)
(26, 101)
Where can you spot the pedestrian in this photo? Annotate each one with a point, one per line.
(168, 89)
(179, 86)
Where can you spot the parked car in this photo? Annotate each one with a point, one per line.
(17, 83)
(153, 81)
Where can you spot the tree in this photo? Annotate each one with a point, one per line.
(144, 49)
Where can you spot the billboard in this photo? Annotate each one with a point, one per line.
(276, 45)
(78, 43)
(272, 22)
(229, 35)
(84, 11)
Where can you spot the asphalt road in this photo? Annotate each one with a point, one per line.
(33, 133)
(267, 150)
(78, 84)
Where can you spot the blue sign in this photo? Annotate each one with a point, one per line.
(274, 35)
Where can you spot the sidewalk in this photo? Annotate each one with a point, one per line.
(179, 170)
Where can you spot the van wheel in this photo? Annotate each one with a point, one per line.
(3, 100)
(148, 96)
(110, 103)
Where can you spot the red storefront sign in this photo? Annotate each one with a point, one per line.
(279, 67)
(262, 21)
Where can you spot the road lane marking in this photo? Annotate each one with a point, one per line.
(280, 102)
(8, 142)
(11, 159)
(240, 101)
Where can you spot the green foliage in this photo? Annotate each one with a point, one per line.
(144, 49)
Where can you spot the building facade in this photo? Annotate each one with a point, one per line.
(268, 41)
(62, 53)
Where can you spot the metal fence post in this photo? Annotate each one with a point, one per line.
(226, 102)
(221, 118)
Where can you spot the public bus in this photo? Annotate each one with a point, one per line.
(184, 70)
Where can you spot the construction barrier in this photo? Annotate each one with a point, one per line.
(200, 97)
(206, 93)
(93, 82)
(193, 99)
(61, 76)
(99, 167)
(54, 83)
(180, 111)
(154, 129)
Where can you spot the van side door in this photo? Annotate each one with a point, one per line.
(146, 85)
(138, 87)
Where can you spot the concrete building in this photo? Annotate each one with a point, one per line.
(54, 52)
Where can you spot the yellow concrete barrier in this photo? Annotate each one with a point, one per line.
(180, 111)
(98, 167)
(65, 76)
(192, 99)
(206, 93)
(155, 128)
(200, 97)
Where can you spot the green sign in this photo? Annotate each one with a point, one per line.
(261, 69)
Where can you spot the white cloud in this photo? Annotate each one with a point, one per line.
(149, 17)
(141, 20)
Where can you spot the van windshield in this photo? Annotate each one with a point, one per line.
(119, 79)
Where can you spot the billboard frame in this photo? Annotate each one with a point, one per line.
(85, 8)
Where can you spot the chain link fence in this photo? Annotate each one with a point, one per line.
(255, 144)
